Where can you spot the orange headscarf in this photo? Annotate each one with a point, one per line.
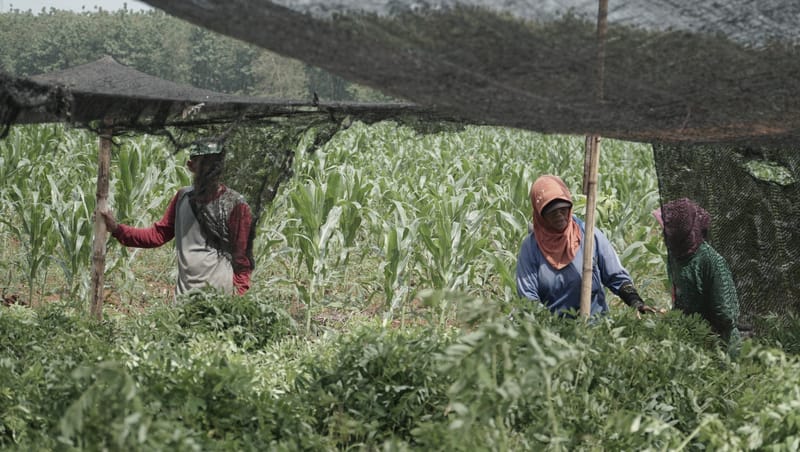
(558, 247)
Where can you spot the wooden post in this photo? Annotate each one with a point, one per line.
(99, 245)
(593, 151)
(590, 168)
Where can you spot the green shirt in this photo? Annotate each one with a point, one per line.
(703, 285)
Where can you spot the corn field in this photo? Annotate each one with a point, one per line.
(445, 212)
(442, 211)
(48, 200)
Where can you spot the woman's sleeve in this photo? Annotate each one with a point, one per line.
(527, 271)
(239, 224)
(724, 301)
(156, 235)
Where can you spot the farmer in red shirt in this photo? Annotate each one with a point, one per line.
(211, 224)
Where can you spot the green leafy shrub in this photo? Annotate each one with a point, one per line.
(540, 381)
(779, 331)
(379, 384)
(250, 322)
(42, 348)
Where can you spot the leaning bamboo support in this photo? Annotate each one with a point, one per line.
(99, 244)
(593, 150)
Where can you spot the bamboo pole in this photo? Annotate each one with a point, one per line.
(591, 164)
(99, 245)
(593, 150)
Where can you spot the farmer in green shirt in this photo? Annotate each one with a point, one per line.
(701, 280)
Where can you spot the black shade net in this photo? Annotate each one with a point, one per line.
(133, 100)
(752, 195)
(261, 134)
(679, 70)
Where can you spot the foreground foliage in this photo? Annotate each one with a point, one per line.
(383, 313)
(219, 374)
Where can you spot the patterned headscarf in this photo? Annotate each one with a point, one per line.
(558, 247)
(685, 226)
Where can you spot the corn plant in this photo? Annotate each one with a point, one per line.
(353, 199)
(144, 178)
(73, 218)
(32, 225)
(71, 209)
(310, 234)
(398, 247)
(28, 159)
(329, 207)
(452, 245)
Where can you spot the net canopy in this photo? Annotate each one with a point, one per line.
(675, 71)
(135, 101)
(753, 198)
(261, 133)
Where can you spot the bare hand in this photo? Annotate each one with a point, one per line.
(110, 221)
(645, 309)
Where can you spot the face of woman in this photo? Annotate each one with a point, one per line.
(557, 219)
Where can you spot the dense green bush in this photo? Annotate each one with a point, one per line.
(141, 382)
(376, 385)
(175, 379)
(248, 321)
(41, 349)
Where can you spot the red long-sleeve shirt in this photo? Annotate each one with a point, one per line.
(162, 231)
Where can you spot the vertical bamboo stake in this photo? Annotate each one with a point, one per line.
(99, 245)
(593, 150)
(590, 168)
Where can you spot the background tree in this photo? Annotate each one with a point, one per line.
(165, 47)
(219, 63)
(328, 86)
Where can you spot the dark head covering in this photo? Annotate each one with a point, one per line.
(555, 204)
(685, 226)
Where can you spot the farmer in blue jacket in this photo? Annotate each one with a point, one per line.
(550, 262)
